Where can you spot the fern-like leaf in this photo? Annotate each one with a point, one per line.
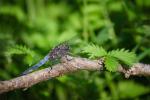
(123, 55)
(94, 51)
(19, 49)
(111, 63)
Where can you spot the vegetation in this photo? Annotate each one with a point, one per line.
(116, 30)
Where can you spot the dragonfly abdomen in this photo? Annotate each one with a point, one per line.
(36, 66)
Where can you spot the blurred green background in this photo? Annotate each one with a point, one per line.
(30, 28)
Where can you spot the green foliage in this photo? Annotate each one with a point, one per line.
(41, 24)
(129, 89)
(15, 11)
(112, 58)
(111, 63)
(123, 55)
(94, 51)
(19, 49)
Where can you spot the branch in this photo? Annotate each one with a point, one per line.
(68, 64)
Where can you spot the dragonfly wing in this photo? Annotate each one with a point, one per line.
(36, 66)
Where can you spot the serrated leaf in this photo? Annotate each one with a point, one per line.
(19, 49)
(94, 51)
(111, 63)
(129, 89)
(123, 55)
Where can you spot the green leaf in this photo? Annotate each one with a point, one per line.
(29, 59)
(129, 89)
(19, 49)
(111, 63)
(123, 55)
(94, 51)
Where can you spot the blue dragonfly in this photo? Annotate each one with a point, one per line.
(57, 52)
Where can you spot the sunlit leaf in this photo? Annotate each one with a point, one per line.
(111, 63)
(123, 55)
(94, 51)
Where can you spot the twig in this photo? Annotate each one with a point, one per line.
(68, 64)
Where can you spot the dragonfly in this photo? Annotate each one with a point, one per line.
(57, 52)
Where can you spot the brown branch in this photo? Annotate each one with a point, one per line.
(68, 64)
